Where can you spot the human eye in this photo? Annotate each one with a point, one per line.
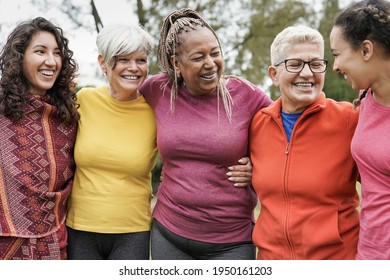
(197, 58)
(142, 60)
(121, 59)
(294, 63)
(317, 64)
(57, 53)
(39, 51)
(215, 54)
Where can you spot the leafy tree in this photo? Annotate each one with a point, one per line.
(246, 29)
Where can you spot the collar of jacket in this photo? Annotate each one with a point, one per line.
(274, 109)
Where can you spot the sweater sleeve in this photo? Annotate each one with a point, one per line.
(253, 96)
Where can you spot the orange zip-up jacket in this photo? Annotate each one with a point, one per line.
(307, 188)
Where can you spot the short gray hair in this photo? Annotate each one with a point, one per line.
(118, 39)
(291, 36)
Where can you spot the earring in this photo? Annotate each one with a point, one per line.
(104, 70)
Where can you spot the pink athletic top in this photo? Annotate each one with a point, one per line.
(371, 151)
(197, 145)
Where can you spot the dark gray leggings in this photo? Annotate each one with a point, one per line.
(84, 245)
(169, 246)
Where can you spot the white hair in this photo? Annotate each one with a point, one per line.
(118, 39)
(291, 36)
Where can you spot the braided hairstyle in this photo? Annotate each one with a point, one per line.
(179, 21)
(366, 20)
(13, 83)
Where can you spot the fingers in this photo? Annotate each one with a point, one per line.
(244, 160)
(241, 168)
(240, 182)
(245, 165)
(241, 174)
(241, 185)
(240, 179)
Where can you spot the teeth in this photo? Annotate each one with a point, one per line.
(211, 76)
(128, 77)
(47, 72)
(304, 85)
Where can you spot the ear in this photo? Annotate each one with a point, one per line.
(273, 74)
(367, 49)
(102, 64)
(175, 64)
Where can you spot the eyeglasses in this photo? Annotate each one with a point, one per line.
(295, 65)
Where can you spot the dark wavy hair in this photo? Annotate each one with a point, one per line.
(366, 20)
(13, 83)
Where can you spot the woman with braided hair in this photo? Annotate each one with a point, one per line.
(360, 42)
(205, 202)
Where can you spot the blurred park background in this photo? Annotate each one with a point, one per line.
(246, 29)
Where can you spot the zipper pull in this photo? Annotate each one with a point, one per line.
(287, 148)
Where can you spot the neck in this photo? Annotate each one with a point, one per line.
(292, 109)
(380, 86)
(38, 94)
(125, 97)
(381, 91)
(383, 99)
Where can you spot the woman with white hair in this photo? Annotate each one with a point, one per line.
(109, 209)
(303, 170)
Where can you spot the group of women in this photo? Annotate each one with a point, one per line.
(75, 172)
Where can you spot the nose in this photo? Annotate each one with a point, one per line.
(132, 65)
(306, 71)
(209, 62)
(335, 66)
(50, 60)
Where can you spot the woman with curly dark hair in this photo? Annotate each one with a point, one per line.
(38, 121)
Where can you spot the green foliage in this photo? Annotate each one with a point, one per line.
(246, 29)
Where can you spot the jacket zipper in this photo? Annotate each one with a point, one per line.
(287, 197)
(285, 192)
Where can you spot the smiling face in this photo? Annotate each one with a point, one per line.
(199, 61)
(127, 74)
(349, 62)
(42, 62)
(298, 90)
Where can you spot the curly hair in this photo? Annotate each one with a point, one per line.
(179, 21)
(366, 20)
(13, 83)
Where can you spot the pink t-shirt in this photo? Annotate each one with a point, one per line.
(197, 145)
(371, 151)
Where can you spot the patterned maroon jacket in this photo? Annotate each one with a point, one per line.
(36, 171)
